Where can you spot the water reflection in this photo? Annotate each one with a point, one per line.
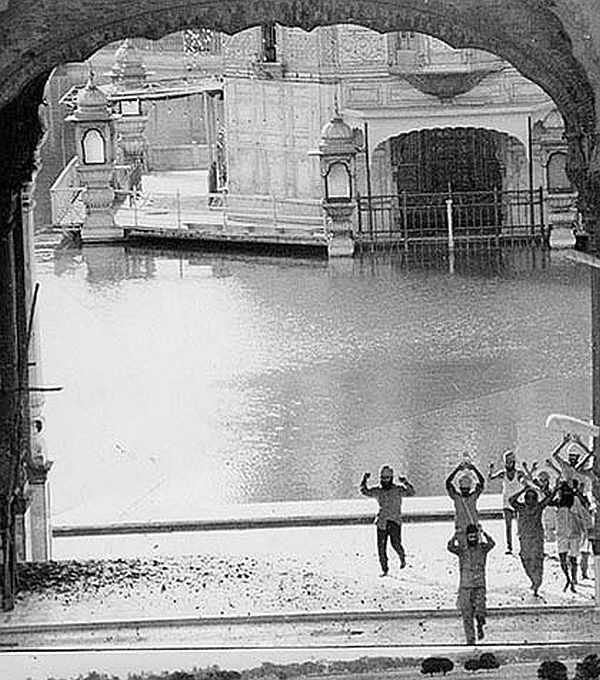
(195, 379)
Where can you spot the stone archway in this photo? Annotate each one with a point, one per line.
(554, 43)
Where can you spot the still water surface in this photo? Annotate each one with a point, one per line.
(199, 380)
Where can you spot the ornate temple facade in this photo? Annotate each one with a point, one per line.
(432, 117)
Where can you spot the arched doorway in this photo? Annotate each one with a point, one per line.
(564, 63)
(483, 172)
(447, 159)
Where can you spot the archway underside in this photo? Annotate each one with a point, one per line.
(524, 32)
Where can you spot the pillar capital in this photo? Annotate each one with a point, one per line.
(37, 470)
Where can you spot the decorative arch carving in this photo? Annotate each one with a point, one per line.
(93, 146)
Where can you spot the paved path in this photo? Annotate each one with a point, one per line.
(513, 626)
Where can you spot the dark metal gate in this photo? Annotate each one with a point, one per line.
(490, 217)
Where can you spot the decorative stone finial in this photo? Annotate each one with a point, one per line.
(127, 71)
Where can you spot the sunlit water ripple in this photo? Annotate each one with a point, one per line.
(196, 380)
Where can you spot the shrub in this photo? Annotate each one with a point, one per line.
(436, 664)
(588, 669)
(488, 661)
(552, 670)
(472, 665)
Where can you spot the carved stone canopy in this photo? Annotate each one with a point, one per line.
(337, 138)
(92, 103)
(446, 85)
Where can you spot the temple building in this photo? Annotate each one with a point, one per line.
(432, 121)
(433, 118)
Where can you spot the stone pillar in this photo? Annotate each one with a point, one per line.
(36, 399)
(131, 138)
(128, 76)
(340, 226)
(583, 168)
(99, 224)
(209, 127)
(26, 539)
(94, 131)
(39, 523)
(20, 132)
(338, 146)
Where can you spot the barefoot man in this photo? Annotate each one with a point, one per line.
(389, 518)
(472, 550)
(531, 532)
(511, 484)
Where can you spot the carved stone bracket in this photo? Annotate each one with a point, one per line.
(446, 85)
(38, 470)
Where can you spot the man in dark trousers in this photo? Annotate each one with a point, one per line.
(389, 518)
(472, 550)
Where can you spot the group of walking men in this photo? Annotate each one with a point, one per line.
(547, 511)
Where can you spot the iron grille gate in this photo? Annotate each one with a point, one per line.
(489, 217)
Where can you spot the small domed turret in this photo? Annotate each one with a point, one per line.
(92, 102)
(337, 137)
